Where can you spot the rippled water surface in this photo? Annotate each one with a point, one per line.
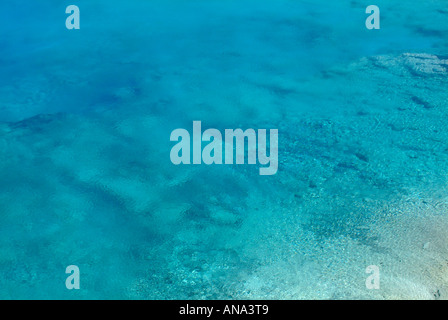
(86, 176)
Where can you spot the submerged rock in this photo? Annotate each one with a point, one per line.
(421, 64)
(424, 64)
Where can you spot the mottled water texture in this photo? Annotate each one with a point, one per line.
(86, 177)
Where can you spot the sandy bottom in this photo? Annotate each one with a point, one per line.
(359, 187)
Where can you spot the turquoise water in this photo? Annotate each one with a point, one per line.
(86, 176)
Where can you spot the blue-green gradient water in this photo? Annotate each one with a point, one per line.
(86, 177)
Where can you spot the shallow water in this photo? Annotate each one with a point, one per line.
(87, 179)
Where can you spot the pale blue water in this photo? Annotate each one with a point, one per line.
(86, 177)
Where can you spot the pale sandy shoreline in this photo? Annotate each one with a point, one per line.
(357, 186)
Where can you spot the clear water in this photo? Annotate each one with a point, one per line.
(86, 177)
